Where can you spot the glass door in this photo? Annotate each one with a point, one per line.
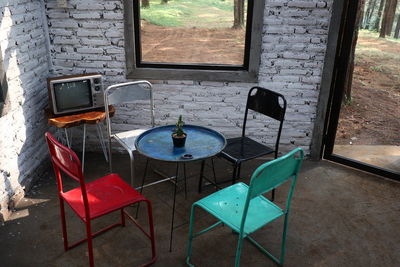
(364, 124)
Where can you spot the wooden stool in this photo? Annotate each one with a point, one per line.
(90, 117)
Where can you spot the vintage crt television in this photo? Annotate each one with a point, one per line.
(75, 93)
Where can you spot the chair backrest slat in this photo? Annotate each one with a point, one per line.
(64, 158)
(129, 93)
(267, 102)
(274, 173)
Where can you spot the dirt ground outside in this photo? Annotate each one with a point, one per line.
(373, 115)
(192, 45)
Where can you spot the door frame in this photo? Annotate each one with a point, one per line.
(343, 23)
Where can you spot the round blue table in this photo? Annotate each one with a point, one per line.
(201, 143)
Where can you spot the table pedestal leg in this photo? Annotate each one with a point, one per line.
(143, 185)
(203, 162)
(184, 176)
(173, 207)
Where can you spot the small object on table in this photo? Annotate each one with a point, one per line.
(201, 143)
(179, 136)
(187, 156)
(77, 119)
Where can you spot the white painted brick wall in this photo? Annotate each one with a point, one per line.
(22, 146)
(88, 37)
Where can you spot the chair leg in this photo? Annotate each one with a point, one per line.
(100, 136)
(83, 147)
(201, 176)
(141, 187)
(131, 157)
(283, 245)
(151, 226)
(239, 171)
(109, 154)
(64, 225)
(238, 250)
(122, 217)
(191, 224)
(90, 243)
(234, 175)
(273, 195)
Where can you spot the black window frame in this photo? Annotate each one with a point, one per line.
(248, 72)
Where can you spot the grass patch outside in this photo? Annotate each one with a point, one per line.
(378, 68)
(373, 52)
(378, 54)
(372, 34)
(190, 13)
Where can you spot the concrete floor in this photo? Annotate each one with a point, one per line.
(384, 156)
(339, 217)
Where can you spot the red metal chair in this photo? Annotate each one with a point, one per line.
(94, 199)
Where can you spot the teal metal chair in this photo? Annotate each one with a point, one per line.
(244, 208)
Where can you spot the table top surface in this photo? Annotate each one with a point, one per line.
(89, 117)
(201, 143)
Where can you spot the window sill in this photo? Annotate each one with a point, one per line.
(195, 75)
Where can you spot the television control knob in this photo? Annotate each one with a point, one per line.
(97, 88)
(97, 80)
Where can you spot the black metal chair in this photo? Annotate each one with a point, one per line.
(240, 149)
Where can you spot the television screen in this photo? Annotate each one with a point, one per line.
(73, 95)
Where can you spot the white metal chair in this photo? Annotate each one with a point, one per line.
(123, 93)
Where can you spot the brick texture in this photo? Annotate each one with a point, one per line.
(294, 43)
(87, 36)
(25, 61)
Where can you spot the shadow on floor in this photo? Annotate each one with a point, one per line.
(339, 217)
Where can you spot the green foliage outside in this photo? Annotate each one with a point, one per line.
(190, 13)
(347, 100)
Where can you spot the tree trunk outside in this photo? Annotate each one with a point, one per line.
(388, 18)
(350, 70)
(164, 2)
(371, 14)
(397, 30)
(242, 12)
(145, 3)
(375, 25)
(368, 14)
(238, 14)
(382, 31)
(365, 15)
(362, 18)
